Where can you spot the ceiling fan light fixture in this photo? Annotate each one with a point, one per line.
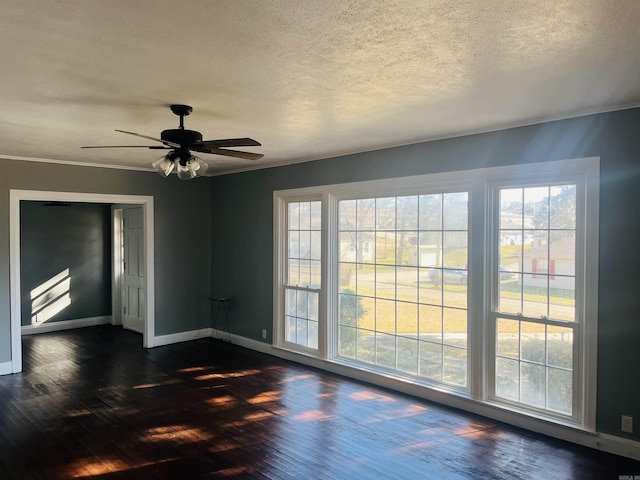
(184, 172)
(164, 165)
(199, 166)
(191, 168)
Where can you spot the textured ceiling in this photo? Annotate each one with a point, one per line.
(308, 79)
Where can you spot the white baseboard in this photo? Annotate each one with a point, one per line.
(599, 441)
(182, 337)
(6, 368)
(65, 325)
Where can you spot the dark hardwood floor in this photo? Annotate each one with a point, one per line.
(92, 403)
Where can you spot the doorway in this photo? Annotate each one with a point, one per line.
(146, 304)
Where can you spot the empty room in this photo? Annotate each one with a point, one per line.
(294, 239)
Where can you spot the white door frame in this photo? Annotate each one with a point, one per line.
(15, 197)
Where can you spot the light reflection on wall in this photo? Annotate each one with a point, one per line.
(50, 297)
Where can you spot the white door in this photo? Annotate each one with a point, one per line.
(133, 314)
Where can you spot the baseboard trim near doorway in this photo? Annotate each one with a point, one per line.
(65, 325)
(182, 337)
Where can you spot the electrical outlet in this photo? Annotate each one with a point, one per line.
(264, 333)
(626, 424)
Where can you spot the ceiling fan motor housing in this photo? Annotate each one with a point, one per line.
(182, 137)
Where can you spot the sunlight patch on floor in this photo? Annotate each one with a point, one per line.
(265, 397)
(224, 401)
(313, 415)
(212, 376)
(177, 434)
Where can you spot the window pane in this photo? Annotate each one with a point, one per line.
(301, 334)
(305, 215)
(315, 273)
(508, 338)
(316, 216)
(385, 281)
(536, 207)
(510, 292)
(560, 390)
(431, 360)
(365, 247)
(313, 299)
(407, 284)
(366, 280)
(560, 346)
(366, 346)
(290, 302)
(347, 247)
(454, 365)
(562, 302)
(431, 323)
(294, 216)
(386, 248)
(532, 342)
(430, 212)
(348, 215)
(290, 329)
(346, 341)
(305, 272)
(430, 291)
(407, 213)
(408, 355)
(455, 295)
(302, 303)
(385, 213)
(455, 249)
(385, 316)
(455, 211)
(294, 244)
(536, 298)
(533, 383)
(386, 350)
(562, 207)
(511, 208)
(430, 249)
(315, 245)
(347, 276)
(562, 253)
(407, 248)
(508, 378)
(313, 334)
(407, 315)
(366, 214)
(455, 327)
(294, 272)
(348, 310)
(366, 312)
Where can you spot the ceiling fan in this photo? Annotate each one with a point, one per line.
(181, 142)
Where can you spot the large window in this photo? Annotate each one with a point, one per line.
(480, 283)
(303, 273)
(403, 284)
(535, 315)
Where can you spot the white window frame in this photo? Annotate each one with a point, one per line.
(480, 184)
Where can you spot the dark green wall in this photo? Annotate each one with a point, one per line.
(74, 236)
(242, 232)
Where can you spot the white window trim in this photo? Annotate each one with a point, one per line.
(280, 202)
(479, 183)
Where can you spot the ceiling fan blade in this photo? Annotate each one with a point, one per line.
(152, 147)
(229, 142)
(171, 144)
(230, 153)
